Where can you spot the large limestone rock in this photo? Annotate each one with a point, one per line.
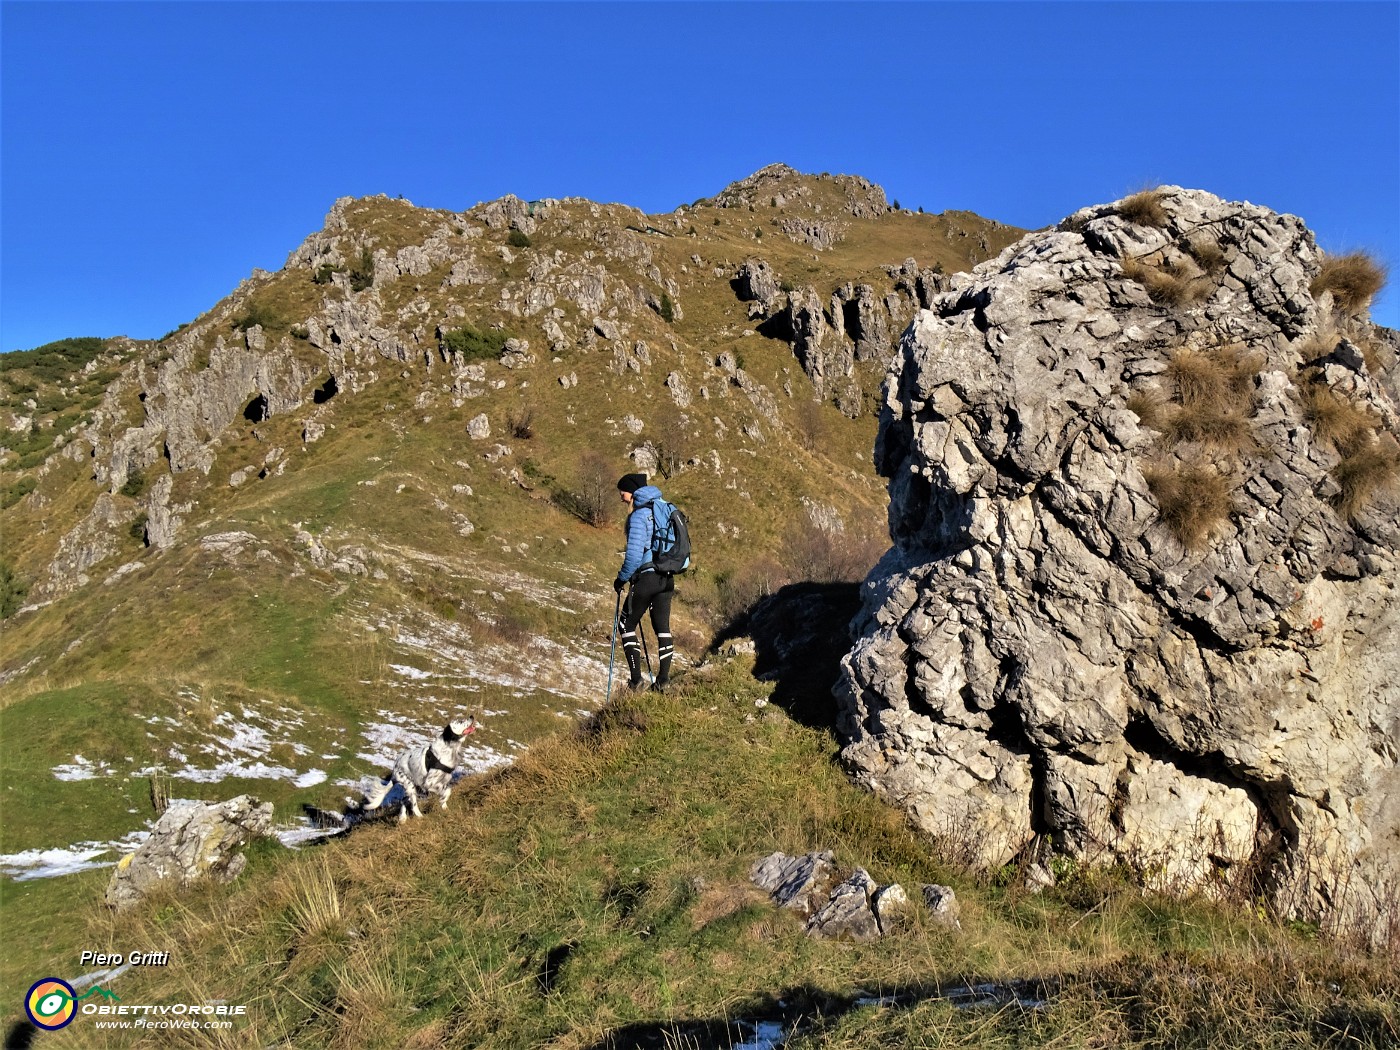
(191, 841)
(1040, 654)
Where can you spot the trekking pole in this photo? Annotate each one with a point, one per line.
(612, 648)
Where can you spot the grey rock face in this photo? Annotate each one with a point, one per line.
(192, 840)
(1039, 654)
(847, 915)
(756, 282)
(795, 882)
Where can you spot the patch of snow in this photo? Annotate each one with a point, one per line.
(767, 1035)
(82, 856)
(310, 778)
(81, 769)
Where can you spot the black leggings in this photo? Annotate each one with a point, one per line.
(650, 590)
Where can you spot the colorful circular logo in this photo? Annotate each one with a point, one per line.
(50, 1003)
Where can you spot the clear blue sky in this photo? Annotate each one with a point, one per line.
(155, 153)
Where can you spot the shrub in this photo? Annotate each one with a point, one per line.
(257, 315)
(594, 493)
(518, 239)
(16, 491)
(1144, 209)
(1352, 279)
(667, 310)
(135, 485)
(12, 591)
(54, 362)
(1193, 500)
(739, 590)
(362, 273)
(471, 344)
(671, 442)
(325, 272)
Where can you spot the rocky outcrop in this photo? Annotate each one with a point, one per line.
(191, 841)
(856, 909)
(1046, 653)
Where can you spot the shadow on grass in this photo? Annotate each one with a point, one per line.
(769, 1021)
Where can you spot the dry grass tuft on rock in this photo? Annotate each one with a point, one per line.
(1212, 399)
(1353, 279)
(1193, 500)
(1365, 472)
(1144, 208)
(1370, 457)
(1169, 283)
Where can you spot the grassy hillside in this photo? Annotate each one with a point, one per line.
(596, 894)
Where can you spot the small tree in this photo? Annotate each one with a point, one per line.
(594, 495)
(518, 239)
(667, 308)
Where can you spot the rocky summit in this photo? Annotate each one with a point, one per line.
(1139, 607)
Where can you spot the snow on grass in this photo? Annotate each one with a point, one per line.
(68, 860)
(81, 769)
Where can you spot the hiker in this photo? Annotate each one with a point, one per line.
(650, 589)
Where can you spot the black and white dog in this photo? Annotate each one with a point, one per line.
(423, 770)
(426, 769)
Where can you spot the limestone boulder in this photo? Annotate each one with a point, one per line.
(191, 841)
(1043, 652)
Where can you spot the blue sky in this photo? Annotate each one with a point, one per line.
(155, 153)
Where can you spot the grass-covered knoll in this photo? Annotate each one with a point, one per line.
(597, 894)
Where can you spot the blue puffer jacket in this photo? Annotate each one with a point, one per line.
(640, 525)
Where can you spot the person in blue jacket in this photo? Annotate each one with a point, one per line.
(651, 590)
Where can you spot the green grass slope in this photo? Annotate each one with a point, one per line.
(596, 894)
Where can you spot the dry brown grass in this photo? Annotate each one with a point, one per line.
(1366, 472)
(1144, 208)
(1353, 279)
(1193, 500)
(1336, 420)
(1169, 284)
(1370, 457)
(1212, 399)
(1208, 254)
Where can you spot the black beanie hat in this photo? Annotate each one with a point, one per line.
(631, 482)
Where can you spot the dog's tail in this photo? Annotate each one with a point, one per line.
(375, 796)
(324, 819)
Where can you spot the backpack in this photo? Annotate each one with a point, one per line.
(670, 537)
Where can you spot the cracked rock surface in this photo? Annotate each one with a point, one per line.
(1041, 655)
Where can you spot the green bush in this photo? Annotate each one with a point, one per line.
(518, 239)
(54, 362)
(667, 309)
(471, 344)
(362, 273)
(325, 272)
(135, 485)
(257, 315)
(16, 491)
(12, 591)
